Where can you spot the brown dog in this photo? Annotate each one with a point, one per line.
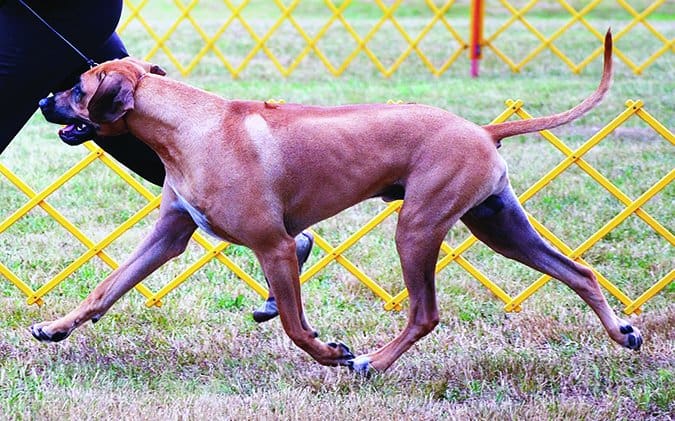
(246, 172)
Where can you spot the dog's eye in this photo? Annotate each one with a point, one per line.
(76, 93)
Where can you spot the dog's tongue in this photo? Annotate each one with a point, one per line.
(75, 134)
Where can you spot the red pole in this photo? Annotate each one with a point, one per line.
(477, 17)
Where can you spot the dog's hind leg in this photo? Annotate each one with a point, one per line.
(168, 239)
(501, 223)
(280, 265)
(419, 234)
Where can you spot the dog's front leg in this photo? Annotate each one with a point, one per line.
(280, 264)
(168, 239)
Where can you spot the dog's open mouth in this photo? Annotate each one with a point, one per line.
(77, 133)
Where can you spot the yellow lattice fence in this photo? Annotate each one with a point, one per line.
(222, 29)
(337, 254)
(579, 21)
(234, 14)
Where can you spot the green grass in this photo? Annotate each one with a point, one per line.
(201, 355)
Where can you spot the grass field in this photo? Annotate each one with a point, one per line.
(202, 356)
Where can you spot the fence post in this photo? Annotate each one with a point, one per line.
(477, 18)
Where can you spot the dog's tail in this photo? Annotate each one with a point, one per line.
(512, 128)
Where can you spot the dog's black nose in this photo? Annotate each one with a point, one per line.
(44, 102)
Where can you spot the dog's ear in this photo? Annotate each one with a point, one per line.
(148, 67)
(156, 70)
(113, 97)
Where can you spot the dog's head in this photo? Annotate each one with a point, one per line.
(97, 103)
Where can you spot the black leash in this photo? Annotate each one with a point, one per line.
(89, 61)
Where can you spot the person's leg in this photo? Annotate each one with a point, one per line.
(303, 247)
(21, 81)
(33, 60)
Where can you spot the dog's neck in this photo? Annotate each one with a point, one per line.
(161, 106)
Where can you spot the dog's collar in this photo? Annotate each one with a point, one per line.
(124, 117)
(140, 78)
(138, 81)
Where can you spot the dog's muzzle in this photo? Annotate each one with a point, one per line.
(75, 132)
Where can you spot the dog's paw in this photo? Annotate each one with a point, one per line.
(42, 334)
(345, 353)
(361, 366)
(632, 338)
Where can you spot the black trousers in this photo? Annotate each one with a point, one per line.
(34, 62)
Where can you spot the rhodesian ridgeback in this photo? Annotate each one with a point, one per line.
(246, 172)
